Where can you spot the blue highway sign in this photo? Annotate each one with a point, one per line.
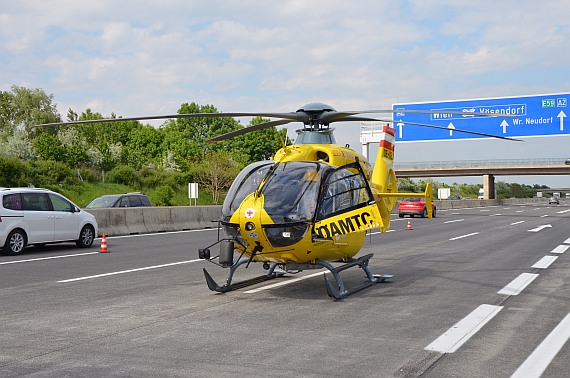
(537, 115)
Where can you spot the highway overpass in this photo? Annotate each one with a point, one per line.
(486, 168)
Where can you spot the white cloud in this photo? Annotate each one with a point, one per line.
(132, 57)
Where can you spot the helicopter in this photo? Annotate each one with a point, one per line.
(311, 206)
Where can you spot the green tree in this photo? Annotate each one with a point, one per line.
(144, 146)
(187, 138)
(21, 108)
(216, 172)
(257, 145)
(49, 147)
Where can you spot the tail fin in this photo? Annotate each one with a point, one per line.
(383, 181)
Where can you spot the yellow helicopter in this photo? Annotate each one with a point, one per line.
(311, 206)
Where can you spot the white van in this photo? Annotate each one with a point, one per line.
(481, 194)
(30, 216)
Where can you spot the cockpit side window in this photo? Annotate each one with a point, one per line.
(244, 184)
(345, 189)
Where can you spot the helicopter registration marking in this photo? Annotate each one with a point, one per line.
(249, 213)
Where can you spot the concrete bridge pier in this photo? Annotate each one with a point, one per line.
(488, 187)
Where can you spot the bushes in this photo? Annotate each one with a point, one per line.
(13, 172)
(123, 174)
(163, 196)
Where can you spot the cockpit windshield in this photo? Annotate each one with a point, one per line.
(291, 191)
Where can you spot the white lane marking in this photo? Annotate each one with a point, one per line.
(272, 286)
(519, 211)
(518, 284)
(454, 337)
(47, 258)
(129, 271)
(567, 241)
(519, 222)
(495, 215)
(485, 210)
(453, 221)
(464, 236)
(379, 232)
(540, 228)
(544, 262)
(560, 249)
(544, 216)
(563, 211)
(543, 355)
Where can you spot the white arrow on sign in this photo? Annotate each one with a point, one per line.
(400, 126)
(561, 115)
(540, 228)
(451, 128)
(504, 125)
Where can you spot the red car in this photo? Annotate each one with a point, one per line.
(414, 206)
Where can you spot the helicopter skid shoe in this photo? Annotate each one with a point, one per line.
(339, 290)
(229, 286)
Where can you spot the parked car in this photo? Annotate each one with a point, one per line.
(454, 198)
(120, 200)
(554, 200)
(414, 206)
(30, 216)
(567, 161)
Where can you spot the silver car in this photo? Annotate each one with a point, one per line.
(30, 216)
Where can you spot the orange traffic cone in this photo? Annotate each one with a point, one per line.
(409, 226)
(103, 248)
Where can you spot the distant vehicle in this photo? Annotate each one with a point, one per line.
(454, 198)
(414, 206)
(567, 161)
(119, 200)
(554, 200)
(481, 194)
(30, 216)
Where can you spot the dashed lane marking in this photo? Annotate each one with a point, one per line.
(544, 262)
(518, 284)
(464, 236)
(560, 249)
(456, 336)
(456, 220)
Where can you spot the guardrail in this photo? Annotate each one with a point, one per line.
(142, 220)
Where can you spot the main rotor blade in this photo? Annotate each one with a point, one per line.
(334, 116)
(454, 130)
(245, 130)
(292, 116)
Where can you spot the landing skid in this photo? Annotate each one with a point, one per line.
(228, 286)
(339, 290)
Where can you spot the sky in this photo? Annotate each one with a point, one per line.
(136, 58)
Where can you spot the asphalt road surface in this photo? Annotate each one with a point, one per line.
(478, 292)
